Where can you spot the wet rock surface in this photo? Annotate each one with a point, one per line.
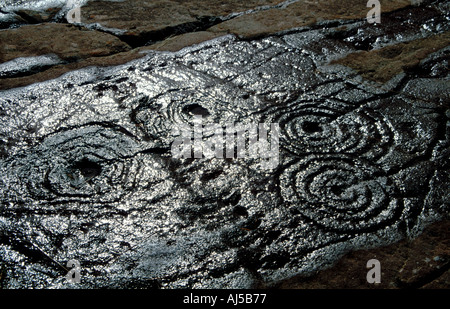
(88, 173)
(422, 262)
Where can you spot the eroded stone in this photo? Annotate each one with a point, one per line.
(383, 64)
(298, 14)
(415, 263)
(69, 42)
(88, 173)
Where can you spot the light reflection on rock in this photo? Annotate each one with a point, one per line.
(87, 172)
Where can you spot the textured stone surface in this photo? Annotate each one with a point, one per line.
(159, 33)
(178, 42)
(300, 13)
(51, 72)
(423, 262)
(142, 21)
(88, 174)
(383, 64)
(71, 43)
(21, 15)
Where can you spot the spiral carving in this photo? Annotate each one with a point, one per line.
(85, 164)
(339, 193)
(332, 127)
(158, 116)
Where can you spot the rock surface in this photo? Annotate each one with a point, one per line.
(141, 22)
(423, 262)
(172, 25)
(383, 64)
(88, 171)
(298, 14)
(71, 45)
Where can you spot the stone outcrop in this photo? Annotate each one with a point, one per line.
(69, 42)
(88, 114)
